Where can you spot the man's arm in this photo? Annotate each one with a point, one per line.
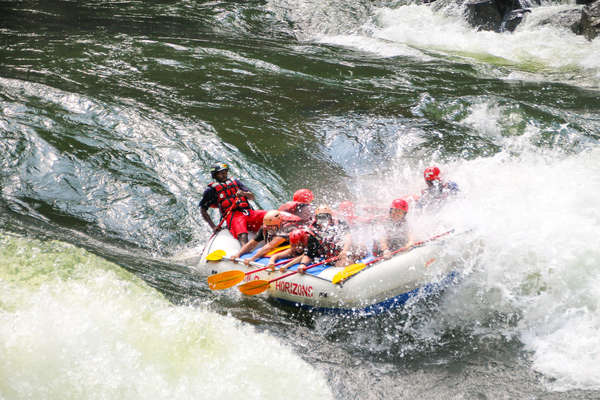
(243, 191)
(248, 247)
(206, 216)
(208, 199)
(277, 240)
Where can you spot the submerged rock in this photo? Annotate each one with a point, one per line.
(512, 19)
(590, 20)
(483, 14)
(506, 15)
(497, 15)
(569, 19)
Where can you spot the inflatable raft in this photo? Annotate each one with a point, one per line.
(377, 286)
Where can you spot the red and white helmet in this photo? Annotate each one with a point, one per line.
(431, 174)
(299, 236)
(303, 196)
(399, 204)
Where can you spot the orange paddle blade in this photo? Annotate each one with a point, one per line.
(225, 279)
(254, 287)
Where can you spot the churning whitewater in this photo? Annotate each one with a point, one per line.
(76, 326)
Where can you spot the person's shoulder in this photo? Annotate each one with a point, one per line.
(453, 186)
(209, 190)
(240, 184)
(209, 197)
(210, 186)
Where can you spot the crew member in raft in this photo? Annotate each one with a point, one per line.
(305, 246)
(437, 189)
(331, 231)
(301, 206)
(274, 232)
(394, 232)
(232, 198)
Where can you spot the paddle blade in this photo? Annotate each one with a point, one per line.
(225, 280)
(254, 287)
(216, 255)
(278, 249)
(347, 272)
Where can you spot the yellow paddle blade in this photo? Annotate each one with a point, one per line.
(216, 255)
(254, 287)
(347, 272)
(278, 249)
(225, 279)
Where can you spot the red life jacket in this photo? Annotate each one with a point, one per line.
(302, 210)
(289, 221)
(290, 206)
(226, 192)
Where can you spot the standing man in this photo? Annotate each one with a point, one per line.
(232, 197)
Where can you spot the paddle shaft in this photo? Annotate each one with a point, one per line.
(216, 230)
(263, 268)
(241, 261)
(229, 210)
(412, 246)
(306, 269)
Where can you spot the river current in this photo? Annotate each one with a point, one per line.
(112, 112)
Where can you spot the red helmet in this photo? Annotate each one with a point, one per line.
(431, 174)
(303, 196)
(299, 236)
(400, 204)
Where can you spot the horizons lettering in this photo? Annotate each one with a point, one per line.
(294, 288)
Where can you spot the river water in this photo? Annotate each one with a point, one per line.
(112, 113)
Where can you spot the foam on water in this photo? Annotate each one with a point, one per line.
(539, 222)
(533, 50)
(75, 326)
(535, 211)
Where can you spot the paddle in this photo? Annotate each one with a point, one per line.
(259, 286)
(277, 250)
(355, 268)
(219, 225)
(218, 255)
(227, 279)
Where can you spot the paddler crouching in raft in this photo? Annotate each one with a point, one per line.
(393, 232)
(274, 232)
(301, 206)
(332, 232)
(305, 246)
(232, 198)
(358, 239)
(437, 189)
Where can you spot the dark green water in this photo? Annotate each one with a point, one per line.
(112, 113)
